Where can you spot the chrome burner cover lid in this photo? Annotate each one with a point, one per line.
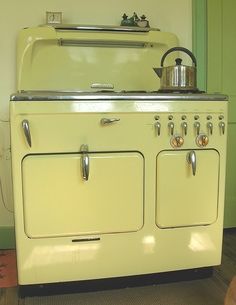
(69, 58)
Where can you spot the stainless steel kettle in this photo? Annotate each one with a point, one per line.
(178, 77)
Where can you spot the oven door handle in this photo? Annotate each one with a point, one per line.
(191, 158)
(26, 129)
(84, 162)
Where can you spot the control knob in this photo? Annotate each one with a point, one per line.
(158, 128)
(177, 141)
(202, 140)
(184, 126)
(171, 127)
(222, 127)
(197, 127)
(210, 127)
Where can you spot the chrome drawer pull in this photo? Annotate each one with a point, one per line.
(191, 158)
(85, 162)
(106, 121)
(26, 129)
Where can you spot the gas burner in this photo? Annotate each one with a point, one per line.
(120, 91)
(183, 91)
(134, 91)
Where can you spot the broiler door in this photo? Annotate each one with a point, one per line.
(187, 193)
(79, 194)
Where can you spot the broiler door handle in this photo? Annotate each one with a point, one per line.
(26, 129)
(191, 158)
(85, 162)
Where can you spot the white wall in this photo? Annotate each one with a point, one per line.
(168, 15)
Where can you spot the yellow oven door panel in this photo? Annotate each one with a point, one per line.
(182, 198)
(58, 201)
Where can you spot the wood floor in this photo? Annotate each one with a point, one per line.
(210, 291)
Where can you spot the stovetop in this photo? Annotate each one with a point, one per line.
(113, 96)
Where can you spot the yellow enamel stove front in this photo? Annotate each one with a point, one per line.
(96, 200)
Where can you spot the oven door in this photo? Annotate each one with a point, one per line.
(185, 198)
(59, 200)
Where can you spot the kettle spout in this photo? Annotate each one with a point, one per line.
(158, 72)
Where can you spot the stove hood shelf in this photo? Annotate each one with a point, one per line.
(103, 28)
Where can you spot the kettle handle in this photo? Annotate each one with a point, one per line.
(179, 49)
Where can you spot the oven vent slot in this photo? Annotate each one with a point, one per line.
(78, 240)
(101, 43)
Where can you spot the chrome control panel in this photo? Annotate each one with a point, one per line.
(196, 128)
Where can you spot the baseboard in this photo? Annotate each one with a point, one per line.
(7, 238)
(114, 283)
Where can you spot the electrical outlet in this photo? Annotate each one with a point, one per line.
(53, 17)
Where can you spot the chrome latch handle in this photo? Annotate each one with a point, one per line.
(26, 129)
(191, 158)
(84, 162)
(106, 121)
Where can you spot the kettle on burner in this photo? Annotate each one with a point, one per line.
(178, 77)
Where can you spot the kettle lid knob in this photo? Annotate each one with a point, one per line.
(178, 61)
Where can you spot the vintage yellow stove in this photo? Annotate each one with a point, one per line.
(111, 178)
